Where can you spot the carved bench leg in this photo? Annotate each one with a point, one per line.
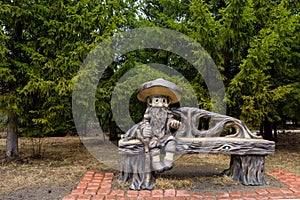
(136, 171)
(248, 169)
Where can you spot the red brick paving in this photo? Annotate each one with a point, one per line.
(97, 186)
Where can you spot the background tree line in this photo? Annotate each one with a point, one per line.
(255, 45)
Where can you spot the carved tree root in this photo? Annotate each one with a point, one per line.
(248, 170)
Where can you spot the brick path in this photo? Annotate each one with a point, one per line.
(96, 186)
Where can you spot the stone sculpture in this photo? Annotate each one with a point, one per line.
(149, 146)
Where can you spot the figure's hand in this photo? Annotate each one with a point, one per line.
(174, 124)
(147, 132)
(154, 143)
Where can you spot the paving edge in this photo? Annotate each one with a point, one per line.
(98, 186)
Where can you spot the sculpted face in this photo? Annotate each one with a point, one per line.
(158, 106)
(158, 101)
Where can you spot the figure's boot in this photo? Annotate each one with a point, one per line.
(157, 165)
(148, 183)
(170, 149)
(168, 161)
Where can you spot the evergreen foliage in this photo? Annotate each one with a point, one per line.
(255, 45)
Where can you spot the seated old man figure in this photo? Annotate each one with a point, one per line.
(158, 125)
(157, 134)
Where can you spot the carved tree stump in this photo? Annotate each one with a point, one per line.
(136, 165)
(135, 170)
(247, 169)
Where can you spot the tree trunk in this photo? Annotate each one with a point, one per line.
(268, 131)
(113, 135)
(206, 124)
(284, 126)
(261, 129)
(12, 136)
(275, 132)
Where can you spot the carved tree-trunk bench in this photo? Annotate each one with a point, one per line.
(247, 150)
(247, 155)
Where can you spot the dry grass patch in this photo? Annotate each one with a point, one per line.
(173, 183)
(223, 180)
(63, 161)
(287, 154)
(203, 159)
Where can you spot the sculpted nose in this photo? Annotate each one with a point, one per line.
(159, 104)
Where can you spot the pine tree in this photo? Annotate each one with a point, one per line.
(45, 44)
(265, 80)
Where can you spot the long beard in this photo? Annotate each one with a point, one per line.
(158, 119)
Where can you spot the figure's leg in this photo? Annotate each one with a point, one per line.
(157, 165)
(170, 149)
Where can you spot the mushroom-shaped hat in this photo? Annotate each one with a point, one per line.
(160, 87)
